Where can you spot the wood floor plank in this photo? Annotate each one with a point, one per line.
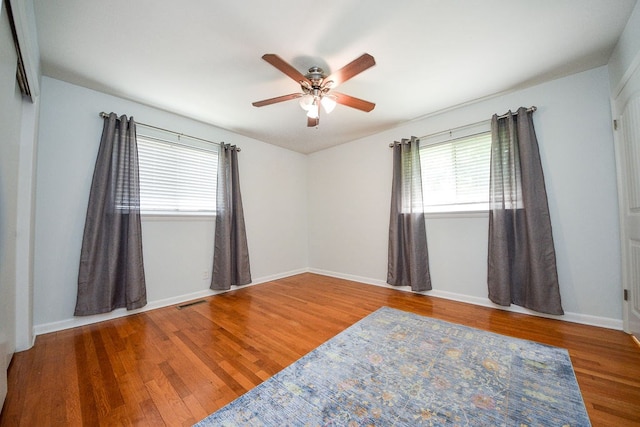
(171, 407)
(173, 367)
(88, 407)
(151, 413)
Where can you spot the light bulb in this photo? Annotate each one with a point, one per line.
(306, 101)
(312, 112)
(328, 103)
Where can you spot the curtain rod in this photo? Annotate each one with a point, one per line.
(105, 115)
(529, 110)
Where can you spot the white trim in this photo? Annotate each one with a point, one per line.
(635, 64)
(75, 322)
(353, 278)
(25, 24)
(586, 319)
(457, 214)
(173, 216)
(25, 225)
(282, 275)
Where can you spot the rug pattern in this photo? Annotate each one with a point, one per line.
(395, 368)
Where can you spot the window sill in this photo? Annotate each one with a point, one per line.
(458, 214)
(174, 216)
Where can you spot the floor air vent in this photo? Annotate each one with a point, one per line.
(189, 304)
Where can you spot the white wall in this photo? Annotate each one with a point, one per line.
(177, 253)
(349, 196)
(329, 211)
(625, 59)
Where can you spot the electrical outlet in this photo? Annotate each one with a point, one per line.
(205, 274)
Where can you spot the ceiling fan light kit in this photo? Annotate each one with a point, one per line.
(306, 101)
(313, 112)
(315, 87)
(328, 103)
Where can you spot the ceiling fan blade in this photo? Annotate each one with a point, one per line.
(276, 99)
(353, 68)
(353, 102)
(311, 122)
(285, 67)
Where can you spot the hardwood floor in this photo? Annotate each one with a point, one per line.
(173, 367)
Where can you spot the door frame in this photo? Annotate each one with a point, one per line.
(626, 90)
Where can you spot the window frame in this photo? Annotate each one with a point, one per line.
(162, 136)
(450, 136)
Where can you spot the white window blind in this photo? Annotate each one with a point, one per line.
(455, 173)
(177, 177)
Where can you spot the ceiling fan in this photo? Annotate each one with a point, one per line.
(317, 88)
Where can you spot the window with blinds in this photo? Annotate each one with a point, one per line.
(177, 177)
(455, 173)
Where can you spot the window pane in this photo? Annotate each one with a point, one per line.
(176, 177)
(455, 174)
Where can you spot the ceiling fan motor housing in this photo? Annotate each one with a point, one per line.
(318, 86)
(315, 75)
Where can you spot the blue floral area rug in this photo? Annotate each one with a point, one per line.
(394, 368)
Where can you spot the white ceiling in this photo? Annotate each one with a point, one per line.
(202, 58)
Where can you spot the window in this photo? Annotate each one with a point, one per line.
(455, 170)
(178, 174)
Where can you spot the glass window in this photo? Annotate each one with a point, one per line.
(455, 173)
(177, 177)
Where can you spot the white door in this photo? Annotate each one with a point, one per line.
(626, 108)
(8, 61)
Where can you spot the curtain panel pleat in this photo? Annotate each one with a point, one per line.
(111, 273)
(521, 255)
(231, 252)
(408, 257)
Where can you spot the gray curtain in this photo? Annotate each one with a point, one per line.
(111, 271)
(231, 253)
(522, 260)
(408, 263)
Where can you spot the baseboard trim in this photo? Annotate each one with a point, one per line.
(75, 322)
(585, 319)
